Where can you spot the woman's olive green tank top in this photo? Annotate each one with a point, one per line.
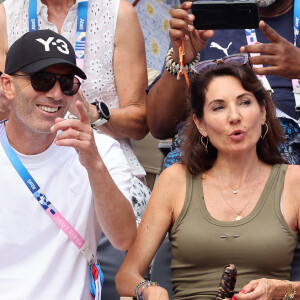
(260, 245)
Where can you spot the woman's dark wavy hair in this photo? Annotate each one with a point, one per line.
(195, 157)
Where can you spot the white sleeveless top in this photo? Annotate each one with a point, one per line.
(98, 63)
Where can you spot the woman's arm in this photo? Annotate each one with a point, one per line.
(3, 38)
(166, 100)
(167, 196)
(130, 70)
(3, 51)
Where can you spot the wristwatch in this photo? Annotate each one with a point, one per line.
(103, 112)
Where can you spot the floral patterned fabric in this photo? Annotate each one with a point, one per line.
(154, 17)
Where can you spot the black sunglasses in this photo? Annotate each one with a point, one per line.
(45, 81)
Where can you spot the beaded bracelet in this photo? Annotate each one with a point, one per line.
(150, 283)
(173, 67)
(137, 288)
(290, 292)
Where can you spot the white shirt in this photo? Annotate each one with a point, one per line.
(37, 260)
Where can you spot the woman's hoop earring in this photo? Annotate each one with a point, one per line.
(204, 144)
(267, 128)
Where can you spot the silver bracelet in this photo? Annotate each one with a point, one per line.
(173, 67)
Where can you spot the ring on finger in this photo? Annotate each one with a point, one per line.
(78, 135)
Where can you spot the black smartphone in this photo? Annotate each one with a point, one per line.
(225, 14)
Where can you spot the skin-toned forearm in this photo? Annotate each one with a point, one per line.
(3, 38)
(166, 101)
(166, 105)
(3, 51)
(131, 278)
(169, 190)
(114, 211)
(129, 121)
(130, 70)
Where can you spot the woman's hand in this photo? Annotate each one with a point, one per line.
(264, 289)
(155, 293)
(182, 29)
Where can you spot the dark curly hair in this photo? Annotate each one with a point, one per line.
(195, 157)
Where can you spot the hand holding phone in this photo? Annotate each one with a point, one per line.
(225, 14)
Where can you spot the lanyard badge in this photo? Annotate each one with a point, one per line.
(80, 32)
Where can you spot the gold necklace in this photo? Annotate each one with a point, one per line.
(238, 213)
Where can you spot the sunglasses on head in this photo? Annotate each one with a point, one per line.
(235, 59)
(45, 81)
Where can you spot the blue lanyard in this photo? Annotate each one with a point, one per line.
(81, 16)
(15, 161)
(96, 275)
(33, 20)
(296, 20)
(81, 33)
(81, 27)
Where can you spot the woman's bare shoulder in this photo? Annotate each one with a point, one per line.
(292, 183)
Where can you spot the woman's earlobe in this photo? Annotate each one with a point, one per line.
(199, 125)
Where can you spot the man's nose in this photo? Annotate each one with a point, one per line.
(55, 93)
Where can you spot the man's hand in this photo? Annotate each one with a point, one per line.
(182, 29)
(78, 134)
(282, 56)
(91, 109)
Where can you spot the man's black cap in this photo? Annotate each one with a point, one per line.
(40, 49)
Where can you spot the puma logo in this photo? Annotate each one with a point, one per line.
(225, 50)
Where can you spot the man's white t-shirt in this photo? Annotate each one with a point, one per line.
(37, 259)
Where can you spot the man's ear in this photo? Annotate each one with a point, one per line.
(199, 125)
(8, 87)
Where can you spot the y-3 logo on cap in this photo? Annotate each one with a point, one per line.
(60, 45)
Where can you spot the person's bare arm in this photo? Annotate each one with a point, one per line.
(159, 216)
(166, 100)
(166, 103)
(3, 51)
(281, 56)
(3, 38)
(130, 70)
